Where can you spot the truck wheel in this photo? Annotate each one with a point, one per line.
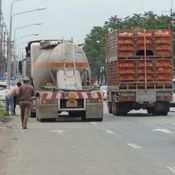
(161, 108)
(121, 109)
(110, 107)
(33, 114)
(97, 119)
(83, 115)
(150, 110)
(165, 113)
(73, 114)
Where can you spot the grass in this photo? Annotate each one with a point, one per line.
(2, 113)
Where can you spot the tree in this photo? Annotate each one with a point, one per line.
(95, 44)
(95, 49)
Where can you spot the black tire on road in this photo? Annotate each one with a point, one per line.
(83, 115)
(110, 107)
(33, 114)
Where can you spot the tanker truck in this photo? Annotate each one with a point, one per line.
(60, 74)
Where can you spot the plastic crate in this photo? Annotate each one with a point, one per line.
(126, 63)
(162, 32)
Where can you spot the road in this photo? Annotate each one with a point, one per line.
(138, 144)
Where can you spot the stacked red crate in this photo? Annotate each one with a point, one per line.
(127, 48)
(125, 41)
(143, 39)
(162, 43)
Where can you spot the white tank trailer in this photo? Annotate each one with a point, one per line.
(60, 74)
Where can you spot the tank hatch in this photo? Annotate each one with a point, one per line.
(47, 44)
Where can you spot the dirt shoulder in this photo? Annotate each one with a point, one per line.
(7, 140)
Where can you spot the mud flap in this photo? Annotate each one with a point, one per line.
(145, 96)
(94, 111)
(46, 112)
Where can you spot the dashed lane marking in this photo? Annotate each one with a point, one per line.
(167, 131)
(58, 131)
(135, 146)
(94, 123)
(109, 132)
(172, 169)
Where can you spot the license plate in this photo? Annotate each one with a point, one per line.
(71, 103)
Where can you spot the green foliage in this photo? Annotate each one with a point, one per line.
(95, 45)
(95, 48)
(2, 113)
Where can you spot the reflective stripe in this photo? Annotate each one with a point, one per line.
(79, 95)
(100, 96)
(60, 64)
(54, 96)
(44, 96)
(89, 94)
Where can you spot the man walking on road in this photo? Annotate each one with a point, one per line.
(25, 93)
(10, 99)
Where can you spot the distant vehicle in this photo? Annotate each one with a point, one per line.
(3, 91)
(104, 90)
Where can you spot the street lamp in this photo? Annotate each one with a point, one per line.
(28, 11)
(14, 46)
(14, 61)
(9, 55)
(25, 36)
(26, 26)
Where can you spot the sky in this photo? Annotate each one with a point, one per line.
(64, 19)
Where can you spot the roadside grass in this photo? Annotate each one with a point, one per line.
(2, 113)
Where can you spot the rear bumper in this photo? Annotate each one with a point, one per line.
(92, 110)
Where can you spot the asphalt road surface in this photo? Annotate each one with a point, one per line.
(138, 144)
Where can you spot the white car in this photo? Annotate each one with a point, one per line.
(3, 91)
(104, 90)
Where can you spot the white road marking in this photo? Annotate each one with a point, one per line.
(167, 131)
(172, 169)
(94, 123)
(109, 132)
(135, 146)
(58, 131)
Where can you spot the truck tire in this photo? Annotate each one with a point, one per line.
(150, 110)
(74, 114)
(83, 115)
(98, 119)
(110, 107)
(121, 109)
(33, 114)
(161, 108)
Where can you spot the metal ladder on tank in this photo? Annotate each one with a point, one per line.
(66, 68)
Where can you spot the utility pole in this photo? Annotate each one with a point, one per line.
(1, 39)
(0, 10)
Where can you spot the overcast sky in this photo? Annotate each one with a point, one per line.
(75, 18)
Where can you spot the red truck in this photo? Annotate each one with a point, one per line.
(139, 71)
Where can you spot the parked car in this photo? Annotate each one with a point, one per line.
(3, 91)
(104, 90)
